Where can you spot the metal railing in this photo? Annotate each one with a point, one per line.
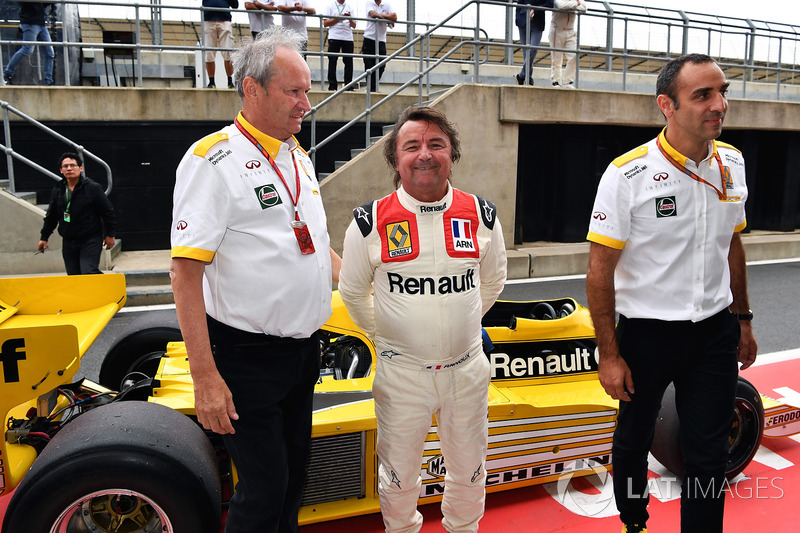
(11, 155)
(762, 50)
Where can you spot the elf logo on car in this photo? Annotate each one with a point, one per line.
(10, 356)
(505, 366)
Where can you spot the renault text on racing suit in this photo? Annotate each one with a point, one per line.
(441, 285)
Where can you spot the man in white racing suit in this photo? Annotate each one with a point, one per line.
(420, 268)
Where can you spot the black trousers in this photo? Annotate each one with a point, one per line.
(700, 359)
(370, 60)
(272, 382)
(82, 256)
(334, 46)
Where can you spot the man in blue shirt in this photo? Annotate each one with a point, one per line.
(531, 26)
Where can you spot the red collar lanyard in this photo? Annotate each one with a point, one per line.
(299, 226)
(725, 172)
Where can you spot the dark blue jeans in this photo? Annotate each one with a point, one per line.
(700, 359)
(272, 382)
(529, 55)
(33, 32)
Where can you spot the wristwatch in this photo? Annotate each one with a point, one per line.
(748, 316)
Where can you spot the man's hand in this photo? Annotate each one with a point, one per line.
(213, 403)
(748, 348)
(42, 247)
(109, 242)
(615, 377)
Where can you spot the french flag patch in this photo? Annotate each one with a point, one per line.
(462, 234)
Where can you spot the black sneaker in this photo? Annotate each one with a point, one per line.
(6, 78)
(520, 79)
(211, 85)
(556, 84)
(230, 83)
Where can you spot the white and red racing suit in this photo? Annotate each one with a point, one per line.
(417, 278)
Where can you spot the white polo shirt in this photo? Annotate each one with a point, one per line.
(674, 231)
(341, 31)
(232, 211)
(260, 19)
(298, 21)
(376, 28)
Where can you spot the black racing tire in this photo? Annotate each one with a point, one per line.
(138, 347)
(144, 465)
(745, 438)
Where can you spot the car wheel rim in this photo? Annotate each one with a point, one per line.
(113, 510)
(744, 433)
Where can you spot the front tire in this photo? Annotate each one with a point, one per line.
(138, 348)
(129, 467)
(745, 437)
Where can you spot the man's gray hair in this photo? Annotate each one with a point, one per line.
(255, 58)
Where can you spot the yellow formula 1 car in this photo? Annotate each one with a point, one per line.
(126, 454)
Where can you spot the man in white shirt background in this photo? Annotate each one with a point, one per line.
(379, 12)
(340, 39)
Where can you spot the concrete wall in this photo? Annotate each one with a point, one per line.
(22, 224)
(171, 104)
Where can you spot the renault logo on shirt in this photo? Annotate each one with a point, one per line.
(665, 207)
(398, 239)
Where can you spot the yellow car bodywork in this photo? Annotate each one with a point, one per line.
(46, 325)
(549, 418)
(554, 421)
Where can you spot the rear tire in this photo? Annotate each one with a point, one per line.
(138, 347)
(746, 431)
(128, 466)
